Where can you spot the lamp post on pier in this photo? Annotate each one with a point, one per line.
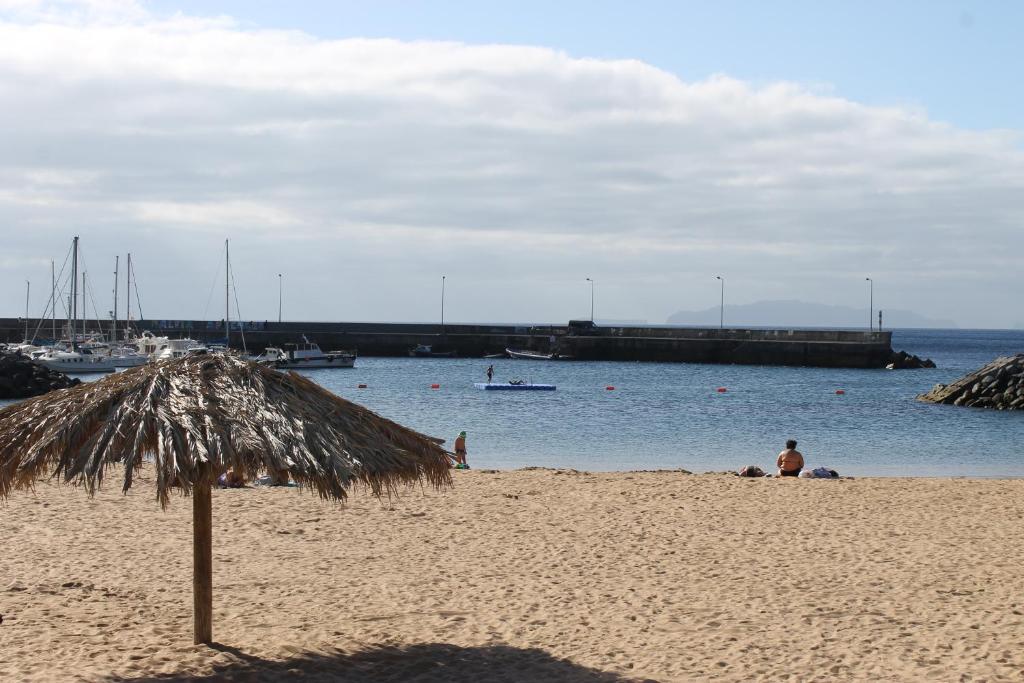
(871, 304)
(591, 299)
(280, 289)
(442, 303)
(721, 306)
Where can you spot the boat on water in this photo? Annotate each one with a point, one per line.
(179, 348)
(427, 351)
(513, 385)
(75, 362)
(126, 357)
(535, 355)
(306, 355)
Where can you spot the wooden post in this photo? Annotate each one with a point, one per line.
(202, 558)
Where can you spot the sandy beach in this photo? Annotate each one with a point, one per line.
(527, 575)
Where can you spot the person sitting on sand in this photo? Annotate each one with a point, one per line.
(460, 451)
(790, 461)
(230, 480)
(280, 477)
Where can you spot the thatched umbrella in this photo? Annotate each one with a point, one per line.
(198, 416)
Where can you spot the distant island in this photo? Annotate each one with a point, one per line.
(791, 313)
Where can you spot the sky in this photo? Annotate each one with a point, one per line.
(363, 151)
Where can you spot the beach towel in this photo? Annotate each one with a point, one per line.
(825, 473)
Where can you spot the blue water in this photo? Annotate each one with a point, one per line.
(663, 415)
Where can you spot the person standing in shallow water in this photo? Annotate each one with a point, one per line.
(460, 451)
(790, 461)
(490, 373)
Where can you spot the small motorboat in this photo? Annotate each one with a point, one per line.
(535, 355)
(306, 355)
(427, 351)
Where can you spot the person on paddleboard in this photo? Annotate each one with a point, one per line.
(490, 373)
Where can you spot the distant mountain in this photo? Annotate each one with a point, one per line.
(802, 314)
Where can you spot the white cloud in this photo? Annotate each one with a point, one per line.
(517, 169)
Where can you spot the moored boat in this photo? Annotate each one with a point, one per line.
(306, 355)
(427, 351)
(535, 355)
(75, 362)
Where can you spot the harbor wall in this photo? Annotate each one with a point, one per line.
(822, 348)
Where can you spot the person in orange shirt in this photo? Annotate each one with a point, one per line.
(790, 461)
(460, 451)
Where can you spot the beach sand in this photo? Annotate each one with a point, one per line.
(526, 575)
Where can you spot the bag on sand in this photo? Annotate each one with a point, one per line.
(825, 473)
(751, 471)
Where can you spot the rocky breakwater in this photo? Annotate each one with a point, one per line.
(21, 378)
(999, 385)
(902, 360)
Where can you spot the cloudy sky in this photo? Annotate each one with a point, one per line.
(365, 150)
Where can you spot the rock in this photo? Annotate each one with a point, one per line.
(21, 378)
(902, 360)
(998, 385)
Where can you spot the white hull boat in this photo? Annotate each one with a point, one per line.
(534, 355)
(306, 356)
(75, 363)
(128, 359)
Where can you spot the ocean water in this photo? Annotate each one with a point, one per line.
(670, 415)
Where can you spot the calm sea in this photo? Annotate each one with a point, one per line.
(664, 415)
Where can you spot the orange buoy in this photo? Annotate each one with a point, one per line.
(609, 388)
(435, 386)
(840, 392)
(361, 386)
(722, 390)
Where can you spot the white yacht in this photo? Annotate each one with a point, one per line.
(126, 357)
(306, 355)
(75, 362)
(179, 348)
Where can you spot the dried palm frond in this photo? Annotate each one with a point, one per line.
(215, 410)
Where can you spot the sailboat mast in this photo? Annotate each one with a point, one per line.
(227, 295)
(128, 289)
(53, 300)
(85, 311)
(113, 327)
(74, 294)
(28, 287)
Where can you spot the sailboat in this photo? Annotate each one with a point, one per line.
(77, 360)
(126, 355)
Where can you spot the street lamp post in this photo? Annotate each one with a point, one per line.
(721, 306)
(871, 304)
(442, 303)
(591, 299)
(280, 289)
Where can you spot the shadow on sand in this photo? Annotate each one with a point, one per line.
(419, 663)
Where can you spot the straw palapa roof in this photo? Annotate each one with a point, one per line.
(215, 409)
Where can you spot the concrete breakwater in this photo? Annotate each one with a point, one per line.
(822, 348)
(999, 385)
